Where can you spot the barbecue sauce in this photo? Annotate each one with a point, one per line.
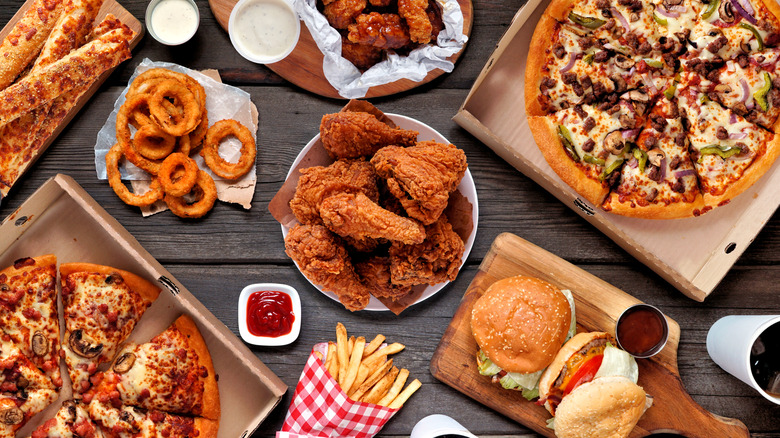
(269, 314)
(640, 330)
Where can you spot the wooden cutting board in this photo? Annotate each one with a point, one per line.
(598, 304)
(303, 67)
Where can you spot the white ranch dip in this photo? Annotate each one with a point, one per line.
(265, 29)
(174, 21)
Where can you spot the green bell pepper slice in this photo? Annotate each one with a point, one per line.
(755, 33)
(712, 6)
(654, 63)
(589, 22)
(722, 151)
(641, 158)
(568, 144)
(611, 168)
(662, 21)
(761, 93)
(670, 90)
(593, 160)
(588, 59)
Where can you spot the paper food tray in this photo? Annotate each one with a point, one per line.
(62, 219)
(693, 254)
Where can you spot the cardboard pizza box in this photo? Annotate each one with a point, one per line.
(693, 254)
(62, 219)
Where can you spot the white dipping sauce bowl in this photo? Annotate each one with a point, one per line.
(241, 7)
(157, 34)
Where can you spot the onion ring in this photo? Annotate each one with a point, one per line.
(177, 183)
(210, 151)
(151, 142)
(199, 133)
(182, 96)
(123, 134)
(205, 192)
(154, 194)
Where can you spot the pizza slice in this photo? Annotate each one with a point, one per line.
(101, 307)
(71, 421)
(749, 85)
(28, 311)
(729, 153)
(172, 373)
(24, 389)
(586, 146)
(659, 180)
(133, 422)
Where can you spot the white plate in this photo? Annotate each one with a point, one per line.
(466, 188)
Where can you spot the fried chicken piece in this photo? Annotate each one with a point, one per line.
(341, 13)
(318, 182)
(421, 176)
(416, 16)
(375, 275)
(380, 3)
(354, 215)
(435, 260)
(350, 134)
(361, 56)
(434, 14)
(385, 31)
(323, 259)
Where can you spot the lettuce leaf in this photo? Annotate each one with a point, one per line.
(618, 363)
(573, 324)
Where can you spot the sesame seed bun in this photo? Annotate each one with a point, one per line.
(520, 323)
(607, 407)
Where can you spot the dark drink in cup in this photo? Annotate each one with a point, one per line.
(765, 360)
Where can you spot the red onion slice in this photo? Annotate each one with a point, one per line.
(572, 59)
(664, 13)
(648, 81)
(738, 135)
(733, 118)
(621, 18)
(630, 133)
(745, 90)
(662, 168)
(745, 10)
(633, 163)
(684, 173)
(679, 8)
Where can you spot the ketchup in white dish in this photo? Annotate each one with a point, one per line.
(264, 30)
(174, 21)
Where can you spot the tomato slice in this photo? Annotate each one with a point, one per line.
(584, 374)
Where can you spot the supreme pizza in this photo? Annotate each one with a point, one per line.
(164, 388)
(656, 109)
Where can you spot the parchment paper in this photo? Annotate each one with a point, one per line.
(222, 102)
(348, 80)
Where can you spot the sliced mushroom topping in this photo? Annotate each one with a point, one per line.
(726, 12)
(4, 287)
(636, 96)
(114, 278)
(614, 142)
(70, 405)
(22, 382)
(654, 156)
(40, 345)
(745, 47)
(624, 62)
(11, 415)
(124, 363)
(723, 88)
(620, 83)
(669, 3)
(82, 347)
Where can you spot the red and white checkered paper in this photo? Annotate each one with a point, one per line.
(320, 409)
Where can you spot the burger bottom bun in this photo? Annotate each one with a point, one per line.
(605, 407)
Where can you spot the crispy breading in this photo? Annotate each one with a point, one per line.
(354, 215)
(341, 13)
(349, 134)
(375, 274)
(385, 31)
(435, 260)
(416, 16)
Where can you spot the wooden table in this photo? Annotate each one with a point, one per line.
(216, 257)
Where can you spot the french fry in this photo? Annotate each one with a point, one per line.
(380, 389)
(367, 368)
(332, 361)
(354, 363)
(373, 345)
(370, 381)
(396, 388)
(342, 347)
(351, 344)
(405, 394)
(387, 350)
(318, 355)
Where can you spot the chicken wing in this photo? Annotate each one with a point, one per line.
(316, 183)
(375, 275)
(350, 134)
(361, 56)
(385, 31)
(355, 215)
(322, 258)
(435, 260)
(416, 16)
(341, 13)
(421, 176)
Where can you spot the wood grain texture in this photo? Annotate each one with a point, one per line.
(303, 67)
(598, 305)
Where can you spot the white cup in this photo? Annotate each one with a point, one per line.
(438, 425)
(729, 342)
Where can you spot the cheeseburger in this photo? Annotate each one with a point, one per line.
(590, 388)
(520, 324)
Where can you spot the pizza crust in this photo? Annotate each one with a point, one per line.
(207, 428)
(211, 407)
(545, 134)
(537, 56)
(675, 210)
(147, 290)
(40, 261)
